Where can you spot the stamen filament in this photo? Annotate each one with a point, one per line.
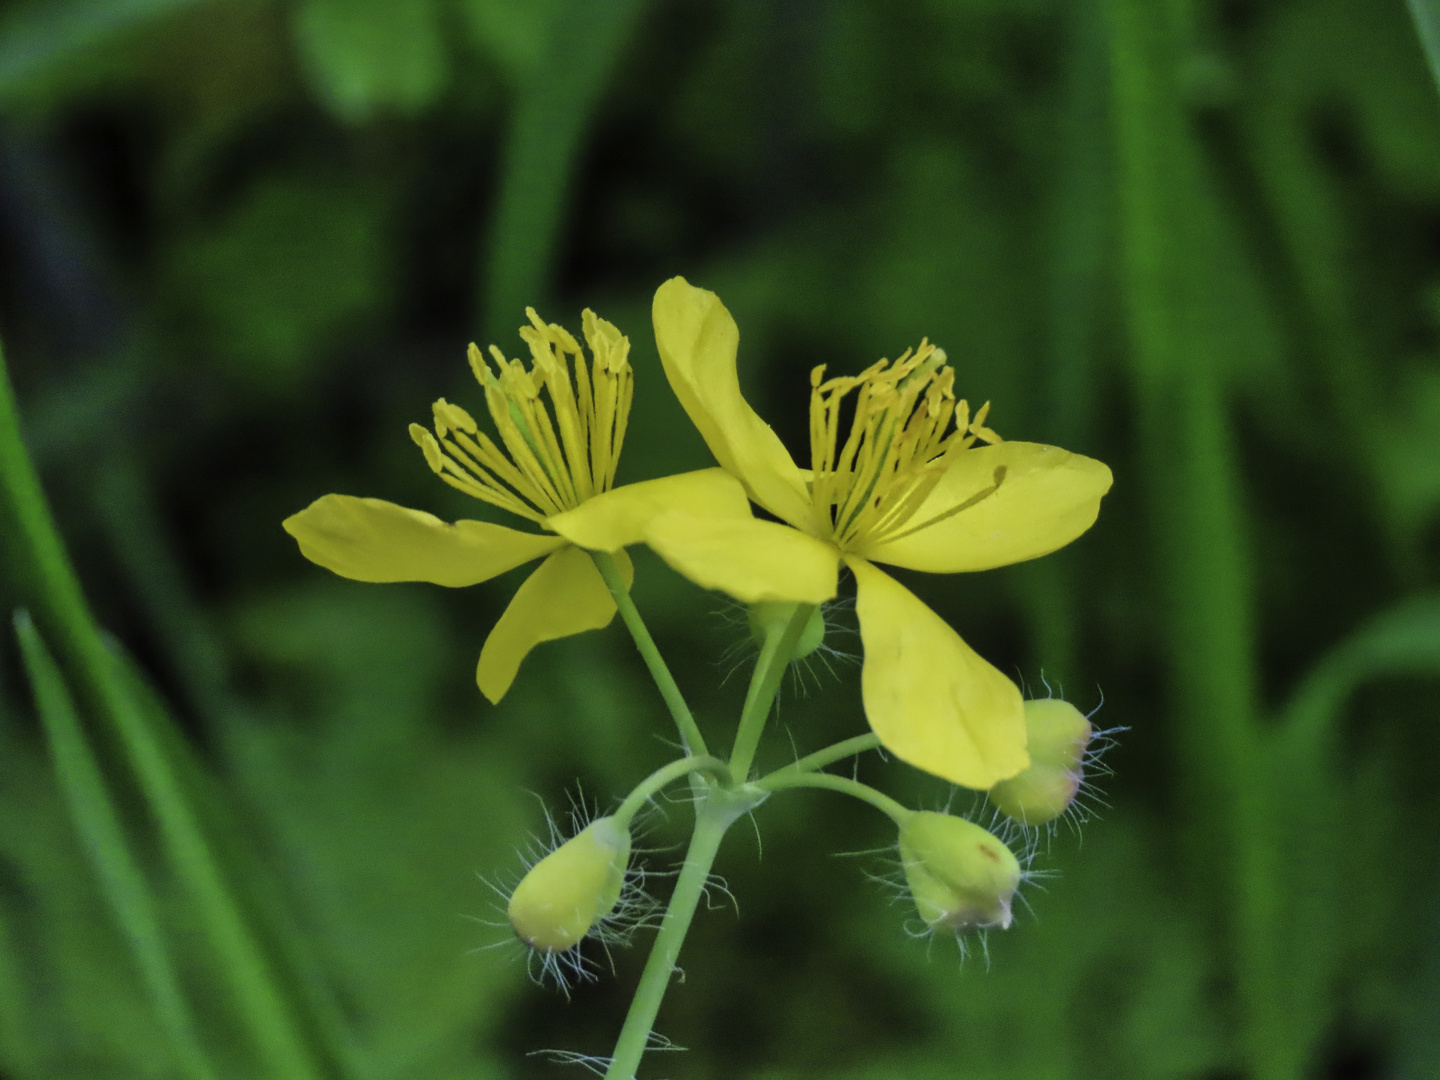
(622, 420)
(976, 498)
(479, 473)
(489, 455)
(906, 432)
(509, 422)
(555, 456)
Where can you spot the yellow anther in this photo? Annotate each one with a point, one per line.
(550, 456)
(552, 332)
(486, 377)
(429, 447)
(610, 348)
(979, 430)
(900, 443)
(450, 417)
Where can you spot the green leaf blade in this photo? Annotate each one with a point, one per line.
(97, 820)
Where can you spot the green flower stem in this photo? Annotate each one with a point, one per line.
(714, 815)
(830, 754)
(717, 811)
(789, 778)
(690, 736)
(775, 657)
(66, 619)
(665, 775)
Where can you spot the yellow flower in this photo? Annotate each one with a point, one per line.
(906, 487)
(555, 466)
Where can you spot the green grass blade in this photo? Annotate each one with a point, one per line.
(1419, 1051)
(146, 554)
(1167, 272)
(258, 895)
(1402, 641)
(1311, 791)
(1079, 237)
(1426, 14)
(98, 823)
(55, 591)
(547, 127)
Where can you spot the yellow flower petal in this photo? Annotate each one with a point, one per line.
(697, 340)
(752, 560)
(374, 540)
(618, 518)
(565, 595)
(929, 697)
(1046, 498)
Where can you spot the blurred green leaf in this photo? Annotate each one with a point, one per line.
(1104, 973)
(37, 35)
(514, 32)
(1329, 851)
(257, 890)
(1170, 267)
(1427, 23)
(367, 57)
(1358, 61)
(1419, 1051)
(1403, 640)
(141, 737)
(291, 273)
(546, 135)
(97, 820)
(74, 1005)
(1408, 449)
(389, 825)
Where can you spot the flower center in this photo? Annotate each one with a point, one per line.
(553, 458)
(901, 441)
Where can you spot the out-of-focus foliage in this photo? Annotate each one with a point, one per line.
(245, 243)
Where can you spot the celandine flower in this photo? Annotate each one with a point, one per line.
(908, 485)
(554, 465)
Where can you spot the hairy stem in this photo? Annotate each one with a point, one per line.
(712, 818)
(667, 774)
(775, 657)
(789, 778)
(690, 736)
(716, 811)
(830, 754)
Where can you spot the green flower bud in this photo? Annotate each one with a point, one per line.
(572, 888)
(771, 615)
(960, 876)
(1058, 734)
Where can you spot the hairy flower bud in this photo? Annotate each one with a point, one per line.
(572, 888)
(776, 615)
(960, 876)
(1058, 734)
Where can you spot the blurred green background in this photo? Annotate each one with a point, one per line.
(244, 243)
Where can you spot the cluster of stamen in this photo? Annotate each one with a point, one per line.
(901, 441)
(549, 463)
